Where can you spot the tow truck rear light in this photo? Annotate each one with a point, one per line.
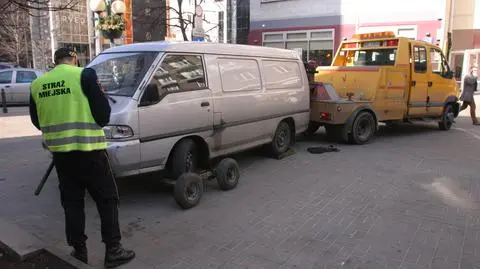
(392, 43)
(325, 116)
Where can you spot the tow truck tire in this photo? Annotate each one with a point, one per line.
(363, 128)
(282, 140)
(188, 190)
(447, 119)
(312, 128)
(184, 158)
(227, 173)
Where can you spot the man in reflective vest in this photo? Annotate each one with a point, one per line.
(69, 107)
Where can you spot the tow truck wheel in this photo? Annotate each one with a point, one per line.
(227, 174)
(363, 128)
(188, 190)
(447, 119)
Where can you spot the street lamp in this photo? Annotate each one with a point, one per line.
(110, 25)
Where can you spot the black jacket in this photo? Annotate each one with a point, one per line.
(98, 101)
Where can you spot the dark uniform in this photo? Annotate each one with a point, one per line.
(69, 107)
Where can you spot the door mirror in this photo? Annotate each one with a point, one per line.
(449, 74)
(150, 96)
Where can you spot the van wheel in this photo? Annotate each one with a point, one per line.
(188, 190)
(227, 174)
(184, 158)
(447, 118)
(312, 128)
(363, 128)
(282, 140)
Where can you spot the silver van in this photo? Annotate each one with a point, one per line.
(176, 106)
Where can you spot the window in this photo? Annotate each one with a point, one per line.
(121, 73)
(315, 45)
(420, 59)
(438, 62)
(282, 75)
(25, 77)
(374, 57)
(179, 73)
(239, 75)
(6, 77)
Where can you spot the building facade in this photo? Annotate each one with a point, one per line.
(51, 30)
(465, 29)
(315, 28)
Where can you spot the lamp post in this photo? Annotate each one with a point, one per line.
(114, 11)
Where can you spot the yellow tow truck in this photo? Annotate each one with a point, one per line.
(378, 77)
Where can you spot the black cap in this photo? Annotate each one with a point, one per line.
(64, 53)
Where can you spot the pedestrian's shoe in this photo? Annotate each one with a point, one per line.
(80, 253)
(116, 255)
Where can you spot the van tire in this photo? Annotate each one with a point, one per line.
(282, 140)
(363, 128)
(447, 119)
(184, 159)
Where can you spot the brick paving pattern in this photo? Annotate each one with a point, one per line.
(409, 200)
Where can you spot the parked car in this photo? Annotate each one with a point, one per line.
(16, 83)
(178, 105)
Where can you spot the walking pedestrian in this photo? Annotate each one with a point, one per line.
(469, 87)
(69, 107)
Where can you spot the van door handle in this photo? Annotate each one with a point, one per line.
(203, 104)
(430, 83)
(7, 86)
(414, 82)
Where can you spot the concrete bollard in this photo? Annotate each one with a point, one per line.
(4, 102)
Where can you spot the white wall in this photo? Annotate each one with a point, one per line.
(367, 11)
(210, 24)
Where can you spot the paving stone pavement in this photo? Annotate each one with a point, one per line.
(408, 200)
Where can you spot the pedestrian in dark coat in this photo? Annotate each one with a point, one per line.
(469, 87)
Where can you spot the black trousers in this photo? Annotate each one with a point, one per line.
(79, 171)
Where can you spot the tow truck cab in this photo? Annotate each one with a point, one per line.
(378, 77)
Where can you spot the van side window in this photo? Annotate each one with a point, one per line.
(179, 73)
(282, 74)
(239, 74)
(420, 59)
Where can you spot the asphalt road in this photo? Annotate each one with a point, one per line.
(408, 200)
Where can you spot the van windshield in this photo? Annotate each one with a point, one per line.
(121, 73)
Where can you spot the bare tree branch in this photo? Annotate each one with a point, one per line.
(29, 6)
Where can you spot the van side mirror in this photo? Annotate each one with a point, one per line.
(150, 95)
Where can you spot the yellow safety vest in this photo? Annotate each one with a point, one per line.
(64, 113)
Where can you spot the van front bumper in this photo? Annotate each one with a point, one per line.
(124, 157)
